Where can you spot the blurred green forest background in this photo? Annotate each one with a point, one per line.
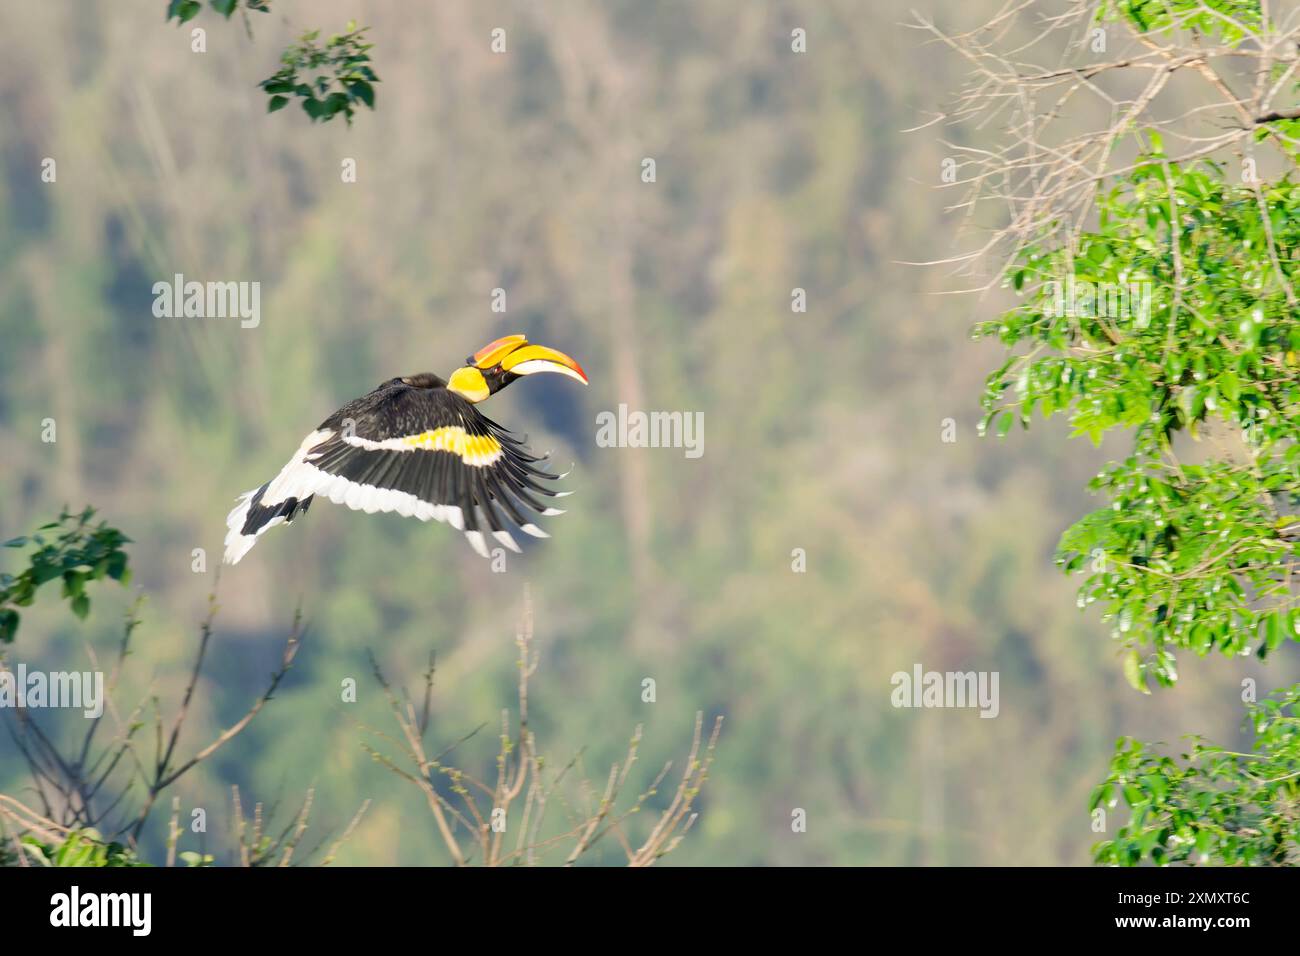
(522, 171)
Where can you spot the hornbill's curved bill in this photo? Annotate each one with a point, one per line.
(418, 446)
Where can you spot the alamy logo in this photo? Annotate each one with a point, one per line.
(38, 689)
(75, 908)
(208, 300)
(1081, 298)
(651, 430)
(946, 689)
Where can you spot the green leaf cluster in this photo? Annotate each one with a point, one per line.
(72, 550)
(81, 848)
(1212, 806)
(1226, 20)
(328, 79)
(183, 11)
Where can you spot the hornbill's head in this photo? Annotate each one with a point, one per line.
(499, 363)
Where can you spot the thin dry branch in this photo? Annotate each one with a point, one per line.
(1052, 130)
(484, 811)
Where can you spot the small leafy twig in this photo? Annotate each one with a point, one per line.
(183, 11)
(329, 79)
(70, 548)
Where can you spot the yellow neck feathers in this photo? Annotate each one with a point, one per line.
(469, 383)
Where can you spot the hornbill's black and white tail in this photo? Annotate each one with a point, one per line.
(279, 501)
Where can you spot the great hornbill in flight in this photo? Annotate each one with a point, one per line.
(417, 445)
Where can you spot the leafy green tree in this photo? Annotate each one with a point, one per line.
(1157, 273)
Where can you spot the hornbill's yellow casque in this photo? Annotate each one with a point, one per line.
(418, 446)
